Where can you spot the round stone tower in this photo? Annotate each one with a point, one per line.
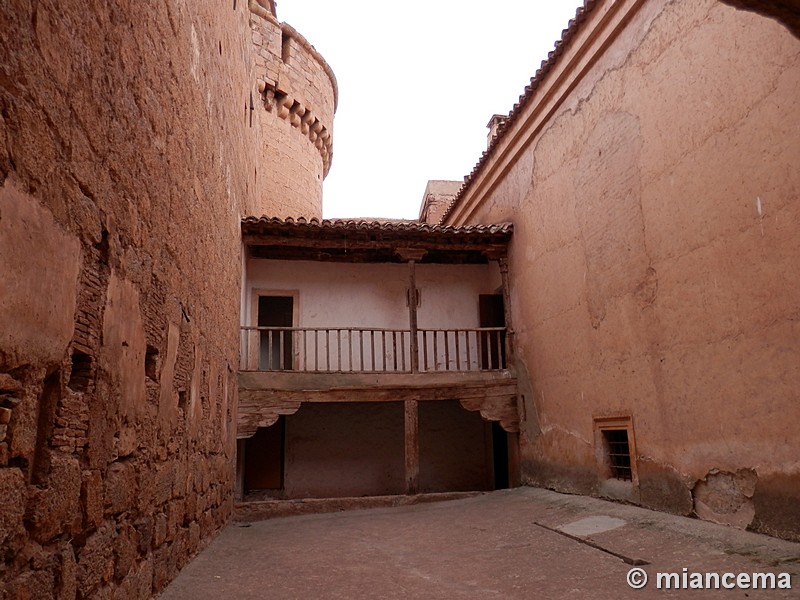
(294, 102)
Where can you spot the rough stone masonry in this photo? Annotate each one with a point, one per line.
(125, 159)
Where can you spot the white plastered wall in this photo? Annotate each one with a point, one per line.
(371, 296)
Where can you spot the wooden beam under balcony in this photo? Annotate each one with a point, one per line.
(440, 380)
(264, 396)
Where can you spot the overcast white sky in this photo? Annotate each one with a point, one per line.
(417, 85)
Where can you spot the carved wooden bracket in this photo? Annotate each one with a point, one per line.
(254, 412)
(496, 408)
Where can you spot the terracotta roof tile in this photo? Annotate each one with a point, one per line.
(375, 225)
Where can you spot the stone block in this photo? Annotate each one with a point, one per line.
(179, 480)
(180, 548)
(32, 585)
(160, 530)
(144, 579)
(146, 487)
(92, 498)
(22, 442)
(67, 578)
(175, 515)
(145, 528)
(191, 507)
(55, 508)
(126, 550)
(165, 476)
(164, 567)
(96, 561)
(120, 488)
(207, 526)
(124, 344)
(14, 494)
(9, 384)
(126, 443)
(194, 536)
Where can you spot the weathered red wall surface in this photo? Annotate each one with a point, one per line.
(126, 155)
(655, 261)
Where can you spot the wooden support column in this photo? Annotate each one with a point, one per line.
(412, 256)
(412, 446)
(503, 263)
(514, 466)
(412, 316)
(239, 488)
(514, 475)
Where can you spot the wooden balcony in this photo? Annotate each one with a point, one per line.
(373, 350)
(283, 367)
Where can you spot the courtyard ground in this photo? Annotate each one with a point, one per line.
(521, 543)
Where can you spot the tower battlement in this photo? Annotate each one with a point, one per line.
(298, 94)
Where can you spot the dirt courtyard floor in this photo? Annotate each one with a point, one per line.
(521, 543)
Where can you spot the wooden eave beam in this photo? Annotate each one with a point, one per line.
(397, 241)
(493, 247)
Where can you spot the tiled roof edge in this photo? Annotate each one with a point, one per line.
(547, 65)
(366, 225)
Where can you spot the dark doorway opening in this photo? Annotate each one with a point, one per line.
(276, 345)
(455, 449)
(500, 453)
(345, 449)
(491, 313)
(264, 458)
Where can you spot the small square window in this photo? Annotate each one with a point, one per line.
(616, 449)
(618, 452)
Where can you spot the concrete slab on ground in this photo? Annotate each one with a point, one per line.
(522, 543)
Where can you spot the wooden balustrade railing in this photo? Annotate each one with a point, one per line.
(372, 350)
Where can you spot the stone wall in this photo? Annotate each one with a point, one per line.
(653, 185)
(127, 156)
(298, 94)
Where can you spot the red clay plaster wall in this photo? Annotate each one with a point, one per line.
(654, 265)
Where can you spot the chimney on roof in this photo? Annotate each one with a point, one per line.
(439, 195)
(493, 124)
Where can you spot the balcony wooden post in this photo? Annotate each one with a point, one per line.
(412, 255)
(503, 264)
(412, 446)
(239, 486)
(412, 315)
